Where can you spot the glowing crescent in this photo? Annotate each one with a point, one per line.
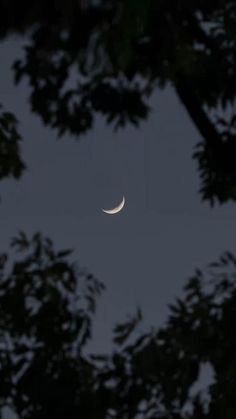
(116, 209)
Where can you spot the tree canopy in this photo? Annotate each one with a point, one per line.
(118, 53)
(47, 304)
(46, 309)
(84, 58)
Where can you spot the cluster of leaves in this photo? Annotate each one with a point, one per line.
(72, 48)
(11, 163)
(119, 52)
(46, 308)
(154, 376)
(86, 57)
(217, 170)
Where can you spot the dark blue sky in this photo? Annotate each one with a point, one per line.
(145, 254)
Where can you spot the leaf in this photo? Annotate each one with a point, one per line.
(123, 331)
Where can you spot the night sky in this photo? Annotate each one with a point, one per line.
(145, 254)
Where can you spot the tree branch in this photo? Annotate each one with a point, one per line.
(197, 114)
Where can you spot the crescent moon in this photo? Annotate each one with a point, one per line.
(116, 209)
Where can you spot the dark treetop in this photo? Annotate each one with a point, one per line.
(114, 53)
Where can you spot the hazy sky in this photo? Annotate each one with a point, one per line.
(145, 254)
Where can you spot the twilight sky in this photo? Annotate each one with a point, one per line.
(145, 254)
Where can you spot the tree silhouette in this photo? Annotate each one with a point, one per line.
(46, 308)
(118, 52)
(153, 376)
(11, 163)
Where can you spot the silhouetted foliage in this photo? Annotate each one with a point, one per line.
(154, 376)
(11, 163)
(46, 308)
(86, 57)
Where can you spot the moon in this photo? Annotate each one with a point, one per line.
(116, 209)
